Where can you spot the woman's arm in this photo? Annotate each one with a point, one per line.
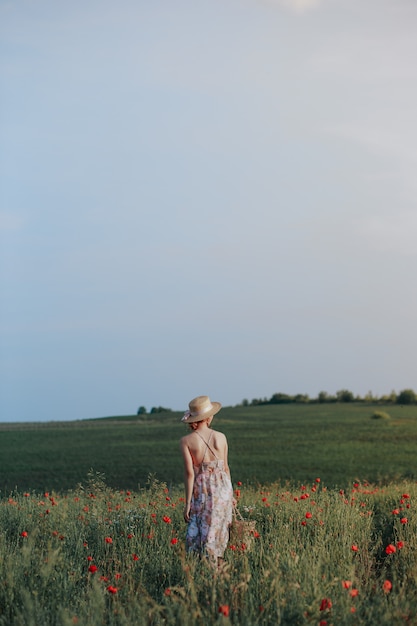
(188, 478)
(225, 456)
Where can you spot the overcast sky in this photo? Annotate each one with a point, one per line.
(214, 197)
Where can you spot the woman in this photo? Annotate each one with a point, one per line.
(208, 488)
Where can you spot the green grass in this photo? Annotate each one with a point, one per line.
(337, 442)
(318, 557)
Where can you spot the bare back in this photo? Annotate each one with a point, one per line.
(199, 450)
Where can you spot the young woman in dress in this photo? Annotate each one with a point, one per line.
(208, 488)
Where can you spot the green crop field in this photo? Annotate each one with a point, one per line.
(339, 442)
(331, 490)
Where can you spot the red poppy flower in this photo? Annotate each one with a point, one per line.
(239, 483)
(108, 540)
(387, 586)
(135, 557)
(303, 523)
(167, 592)
(346, 584)
(354, 548)
(166, 519)
(396, 511)
(326, 604)
(399, 545)
(405, 496)
(130, 536)
(404, 520)
(224, 610)
(309, 515)
(354, 592)
(93, 569)
(174, 541)
(112, 589)
(24, 533)
(390, 549)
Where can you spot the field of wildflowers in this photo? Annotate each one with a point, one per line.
(97, 556)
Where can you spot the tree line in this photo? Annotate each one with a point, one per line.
(406, 396)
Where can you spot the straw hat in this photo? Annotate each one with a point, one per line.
(200, 409)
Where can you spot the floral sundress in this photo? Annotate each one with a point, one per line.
(211, 508)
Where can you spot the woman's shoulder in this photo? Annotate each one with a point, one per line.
(219, 436)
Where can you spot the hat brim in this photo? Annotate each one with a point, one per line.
(216, 406)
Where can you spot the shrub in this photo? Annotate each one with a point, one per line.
(381, 415)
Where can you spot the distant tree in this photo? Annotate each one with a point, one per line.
(281, 398)
(302, 398)
(141, 410)
(159, 409)
(344, 395)
(323, 397)
(370, 397)
(245, 402)
(407, 396)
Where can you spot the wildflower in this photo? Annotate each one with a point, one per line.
(404, 520)
(112, 589)
(399, 545)
(92, 569)
(224, 610)
(346, 584)
(167, 592)
(309, 515)
(390, 549)
(135, 557)
(117, 576)
(166, 519)
(90, 558)
(130, 536)
(108, 540)
(303, 523)
(354, 592)
(24, 533)
(237, 493)
(239, 483)
(354, 548)
(405, 496)
(326, 604)
(174, 541)
(232, 547)
(387, 586)
(396, 511)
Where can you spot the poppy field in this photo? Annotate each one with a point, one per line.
(318, 555)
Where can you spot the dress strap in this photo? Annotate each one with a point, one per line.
(207, 446)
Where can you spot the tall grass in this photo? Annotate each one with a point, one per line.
(95, 556)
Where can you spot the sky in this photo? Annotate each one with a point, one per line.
(205, 198)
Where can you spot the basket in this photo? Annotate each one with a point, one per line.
(241, 530)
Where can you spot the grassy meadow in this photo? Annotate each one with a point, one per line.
(332, 492)
(339, 442)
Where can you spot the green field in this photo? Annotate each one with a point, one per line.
(338, 442)
(332, 492)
